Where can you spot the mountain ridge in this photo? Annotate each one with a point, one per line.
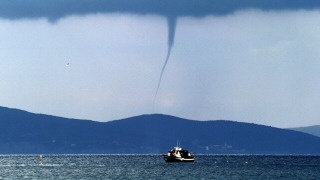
(314, 130)
(22, 132)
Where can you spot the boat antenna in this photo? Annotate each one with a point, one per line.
(178, 142)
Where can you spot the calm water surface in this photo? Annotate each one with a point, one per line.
(154, 167)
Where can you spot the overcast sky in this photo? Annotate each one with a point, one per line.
(242, 61)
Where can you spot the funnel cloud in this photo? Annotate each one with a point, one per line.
(172, 23)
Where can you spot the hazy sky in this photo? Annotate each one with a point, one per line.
(246, 61)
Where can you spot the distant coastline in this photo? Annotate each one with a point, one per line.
(22, 132)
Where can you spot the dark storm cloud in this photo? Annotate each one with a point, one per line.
(55, 9)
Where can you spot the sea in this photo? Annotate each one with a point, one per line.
(222, 167)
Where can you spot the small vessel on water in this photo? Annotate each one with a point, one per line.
(178, 155)
(41, 160)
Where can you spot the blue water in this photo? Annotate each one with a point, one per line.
(154, 167)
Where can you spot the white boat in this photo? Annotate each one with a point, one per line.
(178, 155)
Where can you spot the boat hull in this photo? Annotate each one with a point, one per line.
(177, 159)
